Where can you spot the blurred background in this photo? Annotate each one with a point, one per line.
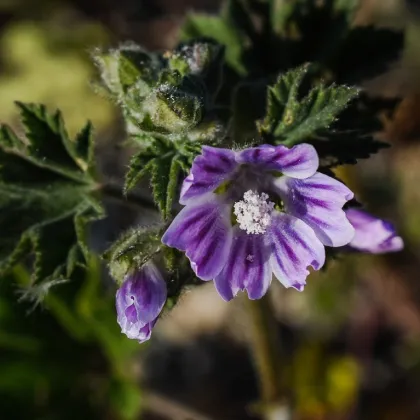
(350, 345)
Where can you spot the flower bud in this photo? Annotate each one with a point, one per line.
(202, 58)
(139, 302)
(174, 109)
(126, 67)
(372, 234)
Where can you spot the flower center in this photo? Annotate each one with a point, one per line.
(253, 213)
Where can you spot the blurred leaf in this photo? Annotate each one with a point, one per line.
(46, 194)
(126, 399)
(365, 53)
(315, 28)
(45, 62)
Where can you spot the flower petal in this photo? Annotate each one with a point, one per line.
(141, 297)
(247, 267)
(138, 332)
(318, 201)
(372, 234)
(149, 291)
(295, 247)
(209, 170)
(203, 230)
(300, 161)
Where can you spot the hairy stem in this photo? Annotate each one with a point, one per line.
(116, 192)
(265, 347)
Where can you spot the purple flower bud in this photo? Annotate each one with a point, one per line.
(139, 302)
(372, 234)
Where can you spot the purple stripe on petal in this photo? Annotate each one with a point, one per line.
(294, 247)
(300, 161)
(247, 267)
(131, 313)
(203, 230)
(318, 201)
(209, 170)
(372, 234)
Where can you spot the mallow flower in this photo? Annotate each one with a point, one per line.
(372, 234)
(139, 301)
(257, 212)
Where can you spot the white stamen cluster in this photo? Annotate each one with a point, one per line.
(253, 213)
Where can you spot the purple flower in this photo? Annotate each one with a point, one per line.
(261, 211)
(372, 234)
(139, 302)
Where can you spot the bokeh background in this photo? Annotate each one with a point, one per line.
(350, 344)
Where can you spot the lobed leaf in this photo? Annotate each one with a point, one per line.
(46, 195)
(291, 119)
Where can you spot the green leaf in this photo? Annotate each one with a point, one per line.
(46, 195)
(163, 161)
(165, 173)
(82, 149)
(291, 119)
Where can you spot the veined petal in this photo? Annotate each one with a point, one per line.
(247, 268)
(204, 231)
(139, 302)
(141, 297)
(209, 170)
(318, 201)
(294, 247)
(300, 161)
(372, 234)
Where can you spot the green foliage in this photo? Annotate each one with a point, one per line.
(164, 161)
(170, 95)
(271, 37)
(217, 88)
(74, 342)
(328, 117)
(291, 119)
(266, 37)
(47, 195)
(168, 102)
